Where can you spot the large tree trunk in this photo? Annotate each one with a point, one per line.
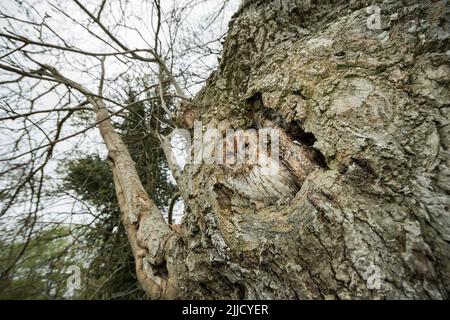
(373, 220)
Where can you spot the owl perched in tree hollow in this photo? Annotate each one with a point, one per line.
(260, 176)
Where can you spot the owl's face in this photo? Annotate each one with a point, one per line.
(268, 118)
(242, 151)
(252, 171)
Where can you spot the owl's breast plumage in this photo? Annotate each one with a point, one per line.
(268, 183)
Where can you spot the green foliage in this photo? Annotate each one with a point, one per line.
(41, 270)
(91, 178)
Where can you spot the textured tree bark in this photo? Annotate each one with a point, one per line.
(372, 221)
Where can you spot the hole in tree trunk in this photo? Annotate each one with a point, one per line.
(268, 117)
(160, 270)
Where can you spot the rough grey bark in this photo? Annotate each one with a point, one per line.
(373, 221)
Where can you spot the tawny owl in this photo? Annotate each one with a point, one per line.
(258, 174)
